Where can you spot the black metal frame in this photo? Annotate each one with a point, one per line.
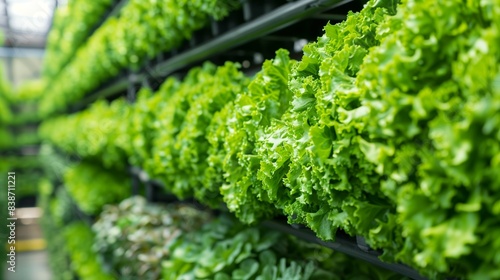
(347, 245)
(114, 11)
(248, 27)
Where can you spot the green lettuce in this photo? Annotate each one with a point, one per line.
(86, 264)
(95, 133)
(192, 142)
(91, 186)
(267, 99)
(181, 148)
(311, 167)
(431, 95)
(142, 30)
(141, 127)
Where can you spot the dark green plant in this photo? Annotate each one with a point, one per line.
(134, 237)
(79, 239)
(226, 249)
(92, 186)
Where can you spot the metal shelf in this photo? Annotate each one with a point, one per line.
(279, 18)
(114, 11)
(344, 244)
(212, 41)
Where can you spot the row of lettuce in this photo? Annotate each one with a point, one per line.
(73, 23)
(77, 64)
(18, 119)
(139, 240)
(387, 128)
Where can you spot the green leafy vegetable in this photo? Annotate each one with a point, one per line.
(267, 98)
(141, 30)
(93, 186)
(181, 148)
(135, 236)
(84, 261)
(95, 133)
(310, 164)
(431, 95)
(71, 26)
(225, 249)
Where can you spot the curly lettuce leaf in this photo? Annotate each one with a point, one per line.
(267, 99)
